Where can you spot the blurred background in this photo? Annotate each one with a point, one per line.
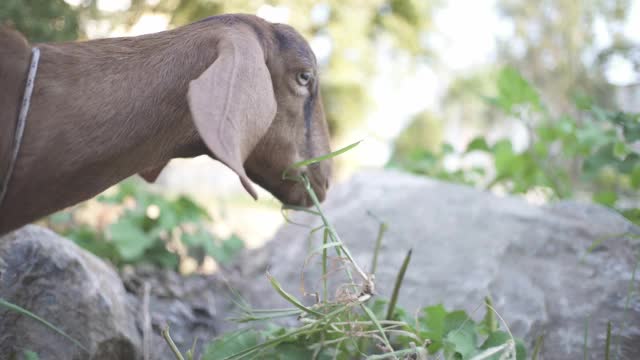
(530, 97)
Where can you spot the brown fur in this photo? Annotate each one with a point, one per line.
(103, 110)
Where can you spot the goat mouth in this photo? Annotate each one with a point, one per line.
(291, 192)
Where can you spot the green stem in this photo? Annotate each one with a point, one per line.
(27, 313)
(397, 285)
(381, 231)
(172, 345)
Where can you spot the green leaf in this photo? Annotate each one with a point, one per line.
(606, 197)
(632, 215)
(431, 324)
(461, 337)
(447, 149)
(499, 338)
(504, 157)
(230, 344)
(620, 150)
(567, 125)
(478, 144)
(200, 238)
(456, 320)
(87, 238)
(168, 218)
(635, 176)
(159, 255)
(189, 210)
(61, 218)
(129, 239)
(582, 101)
(30, 355)
(514, 90)
(292, 351)
(462, 342)
(379, 307)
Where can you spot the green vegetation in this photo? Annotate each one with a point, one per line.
(41, 20)
(591, 152)
(150, 228)
(577, 147)
(349, 327)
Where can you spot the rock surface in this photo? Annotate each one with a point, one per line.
(467, 244)
(84, 297)
(77, 292)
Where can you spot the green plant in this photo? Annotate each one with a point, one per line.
(349, 326)
(151, 228)
(591, 152)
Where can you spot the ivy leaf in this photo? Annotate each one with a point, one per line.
(460, 337)
(432, 327)
(129, 239)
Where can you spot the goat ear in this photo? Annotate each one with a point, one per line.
(232, 102)
(151, 174)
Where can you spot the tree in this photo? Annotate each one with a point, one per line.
(53, 20)
(553, 44)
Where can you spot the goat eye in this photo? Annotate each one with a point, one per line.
(303, 78)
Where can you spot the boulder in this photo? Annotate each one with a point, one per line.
(534, 261)
(86, 298)
(70, 288)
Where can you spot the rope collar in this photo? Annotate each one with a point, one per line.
(22, 120)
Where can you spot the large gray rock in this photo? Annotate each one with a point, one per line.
(83, 296)
(72, 289)
(468, 244)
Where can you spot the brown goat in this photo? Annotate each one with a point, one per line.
(235, 87)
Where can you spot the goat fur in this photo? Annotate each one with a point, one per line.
(103, 110)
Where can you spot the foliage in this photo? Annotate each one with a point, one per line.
(348, 326)
(41, 20)
(562, 45)
(593, 153)
(430, 163)
(152, 228)
(424, 131)
(452, 334)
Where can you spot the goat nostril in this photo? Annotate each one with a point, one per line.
(326, 184)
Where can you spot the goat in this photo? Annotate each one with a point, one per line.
(235, 87)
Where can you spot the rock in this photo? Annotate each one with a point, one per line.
(83, 296)
(195, 307)
(72, 289)
(532, 260)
